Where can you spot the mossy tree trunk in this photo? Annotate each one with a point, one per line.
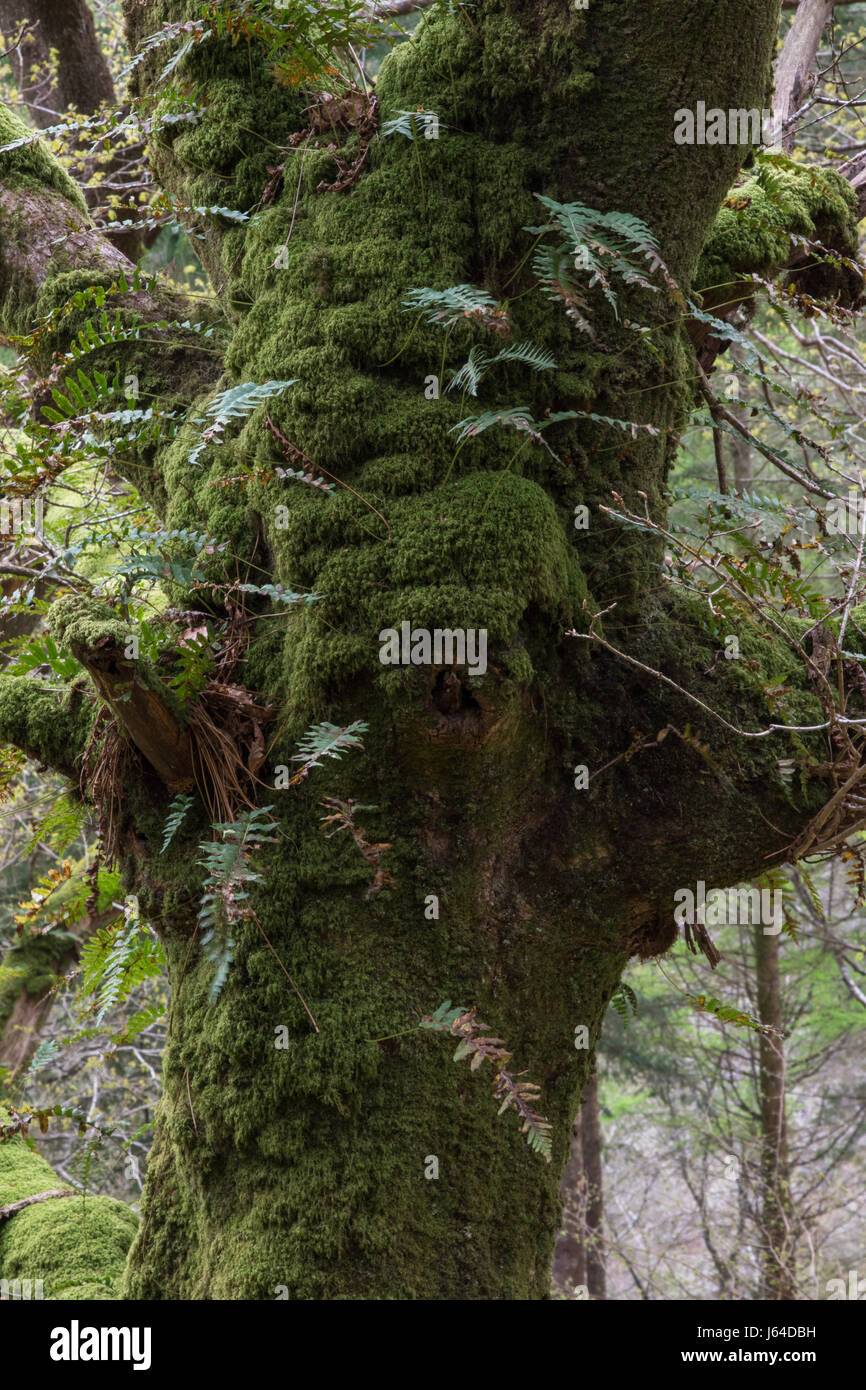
(304, 1167)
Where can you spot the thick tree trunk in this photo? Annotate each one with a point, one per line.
(304, 1169)
(307, 1168)
(60, 68)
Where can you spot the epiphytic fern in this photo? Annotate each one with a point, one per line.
(116, 959)
(325, 741)
(234, 404)
(609, 245)
(175, 818)
(225, 900)
(725, 1013)
(623, 999)
(447, 307)
(469, 376)
(342, 817)
(508, 1089)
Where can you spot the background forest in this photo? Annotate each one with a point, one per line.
(721, 1150)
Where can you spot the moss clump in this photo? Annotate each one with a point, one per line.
(76, 1246)
(32, 163)
(752, 232)
(50, 726)
(78, 621)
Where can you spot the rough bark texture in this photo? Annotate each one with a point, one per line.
(303, 1168)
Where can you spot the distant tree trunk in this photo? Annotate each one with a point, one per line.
(741, 449)
(58, 63)
(777, 1223)
(579, 1256)
(590, 1134)
(569, 1259)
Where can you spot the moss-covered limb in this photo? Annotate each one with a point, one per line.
(52, 726)
(246, 123)
(98, 638)
(699, 802)
(757, 232)
(75, 1245)
(49, 251)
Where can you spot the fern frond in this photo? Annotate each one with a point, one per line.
(457, 302)
(623, 999)
(469, 376)
(508, 1089)
(225, 900)
(117, 959)
(325, 741)
(234, 404)
(174, 820)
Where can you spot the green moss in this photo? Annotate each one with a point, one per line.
(49, 725)
(32, 164)
(78, 621)
(304, 1167)
(76, 1246)
(752, 232)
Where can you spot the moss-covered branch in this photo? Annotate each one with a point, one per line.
(765, 228)
(98, 638)
(53, 726)
(49, 250)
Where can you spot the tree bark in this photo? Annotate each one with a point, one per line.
(579, 1257)
(778, 1278)
(590, 1135)
(569, 1256)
